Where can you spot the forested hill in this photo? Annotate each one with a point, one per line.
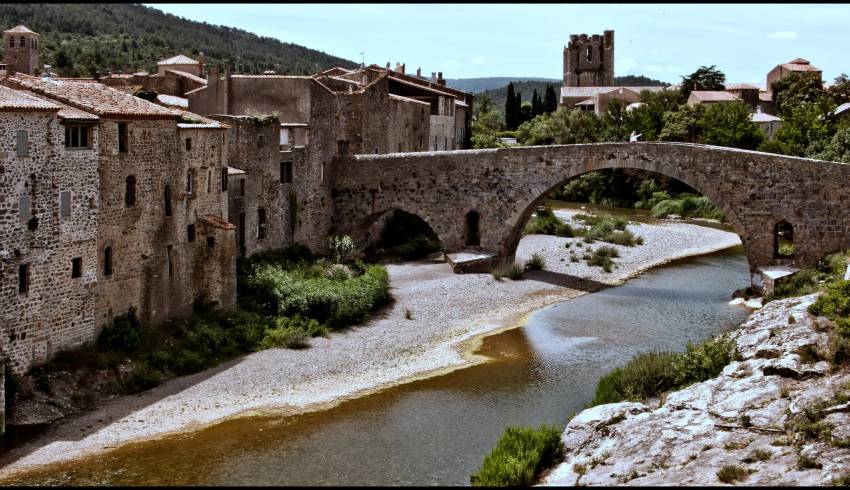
(527, 86)
(476, 85)
(79, 39)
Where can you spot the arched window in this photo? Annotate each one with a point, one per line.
(107, 261)
(783, 234)
(589, 54)
(472, 236)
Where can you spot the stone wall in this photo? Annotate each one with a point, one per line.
(755, 191)
(289, 96)
(57, 311)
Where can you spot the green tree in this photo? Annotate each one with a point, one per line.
(806, 129)
(840, 90)
(550, 100)
(526, 112)
(838, 148)
(705, 78)
(535, 104)
(615, 122)
(682, 124)
(561, 128)
(796, 89)
(729, 124)
(485, 130)
(511, 115)
(484, 102)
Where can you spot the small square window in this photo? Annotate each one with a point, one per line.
(23, 278)
(76, 267)
(286, 172)
(123, 138)
(65, 204)
(190, 231)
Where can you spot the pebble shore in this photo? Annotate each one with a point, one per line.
(448, 314)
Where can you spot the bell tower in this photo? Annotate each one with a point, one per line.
(589, 60)
(21, 46)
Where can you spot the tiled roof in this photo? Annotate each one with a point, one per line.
(180, 59)
(95, 97)
(21, 29)
(174, 101)
(766, 96)
(593, 91)
(763, 117)
(17, 100)
(190, 120)
(712, 96)
(740, 86)
(408, 99)
(799, 64)
(188, 75)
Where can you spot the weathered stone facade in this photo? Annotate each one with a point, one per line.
(54, 307)
(755, 190)
(589, 60)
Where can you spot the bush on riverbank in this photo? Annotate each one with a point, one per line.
(688, 206)
(519, 457)
(544, 222)
(649, 374)
(826, 272)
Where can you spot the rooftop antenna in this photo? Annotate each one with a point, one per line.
(362, 59)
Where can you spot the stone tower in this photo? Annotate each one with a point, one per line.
(21, 51)
(589, 60)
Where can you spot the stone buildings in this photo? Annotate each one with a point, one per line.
(108, 203)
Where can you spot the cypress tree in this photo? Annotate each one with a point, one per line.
(550, 100)
(510, 114)
(535, 104)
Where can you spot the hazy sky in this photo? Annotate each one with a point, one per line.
(480, 40)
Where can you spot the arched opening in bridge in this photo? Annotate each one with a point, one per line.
(472, 233)
(396, 235)
(783, 239)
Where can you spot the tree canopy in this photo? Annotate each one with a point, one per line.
(705, 78)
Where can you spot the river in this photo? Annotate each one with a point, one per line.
(436, 431)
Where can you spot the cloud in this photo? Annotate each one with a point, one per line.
(783, 35)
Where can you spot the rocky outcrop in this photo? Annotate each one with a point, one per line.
(778, 415)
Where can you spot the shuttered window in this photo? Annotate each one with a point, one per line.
(25, 208)
(65, 204)
(23, 143)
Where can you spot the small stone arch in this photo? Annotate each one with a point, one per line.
(368, 230)
(783, 240)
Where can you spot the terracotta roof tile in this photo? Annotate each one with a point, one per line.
(95, 97)
(712, 96)
(15, 100)
(189, 76)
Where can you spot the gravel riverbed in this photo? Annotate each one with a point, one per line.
(449, 314)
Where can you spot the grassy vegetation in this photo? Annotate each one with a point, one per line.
(512, 271)
(535, 263)
(758, 455)
(819, 277)
(519, 457)
(809, 425)
(601, 257)
(544, 222)
(688, 206)
(732, 473)
(605, 228)
(649, 374)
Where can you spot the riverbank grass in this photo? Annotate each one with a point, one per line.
(649, 374)
(519, 457)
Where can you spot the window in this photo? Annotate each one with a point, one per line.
(130, 191)
(783, 239)
(24, 209)
(286, 172)
(23, 143)
(210, 242)
(65, 204)
(588, 55)
(167, 198)
(446, 143)
(76, 267)
(261, 141)
(242, 186)
(190, 183)
(188, 144)
(170, 263)
(435, 142)
(76, 136)
(23, 42)
(11, 42)
(284, 136)
(261, 223)
(23, 278)
(209, 181)
(223, 179)
(473, 235)
(122, 138)
(190, 232)
(107, 261)
(342, 147)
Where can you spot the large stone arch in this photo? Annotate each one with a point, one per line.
(755, 190)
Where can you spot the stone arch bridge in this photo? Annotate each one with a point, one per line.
(757, 191)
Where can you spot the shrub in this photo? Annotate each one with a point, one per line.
(834, 303)
(732, 473)
(807, 463)
(512, 271)
(544, 222)
(646, 374)
(340, 247)
(601, 257)
(688, 206)
(143, 377)
(535, 263)
(519, 456)
(615, 222)
(289, 337)
(124, 333)
(703, 361)
(758, 455)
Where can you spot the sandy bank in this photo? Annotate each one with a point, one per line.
(449, 311)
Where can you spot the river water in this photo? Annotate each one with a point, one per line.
(436, 431)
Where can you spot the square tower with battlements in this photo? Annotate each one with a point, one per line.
(589, 60)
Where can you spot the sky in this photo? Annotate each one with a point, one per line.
(661, 41)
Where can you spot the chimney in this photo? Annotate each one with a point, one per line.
(402, 68)
(201, 60)
(419, 72)
(433, 77)
(388, 65)
(440, 80)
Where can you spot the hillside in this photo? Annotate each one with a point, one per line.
(79, 39)
(476, 85)
(526, 88)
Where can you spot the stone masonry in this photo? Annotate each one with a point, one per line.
(755, 190)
